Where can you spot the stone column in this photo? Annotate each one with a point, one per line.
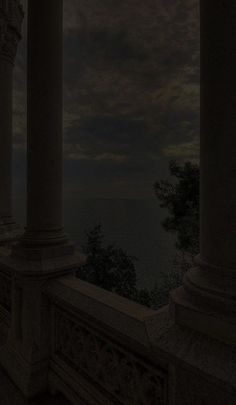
(11, 17)
(43, 253)
(44, 232)
(207, 301)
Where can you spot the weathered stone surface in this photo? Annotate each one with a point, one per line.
(90, 322)
(10, 395)
(26, 353)
(193, 389)
(123, 315)
(203, 368)
(102, 347)
(11, 16)
(44, 126)
(207, 301)
(43, 252)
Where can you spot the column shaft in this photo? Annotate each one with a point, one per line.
(218, 133)
(45, 143)
(5, 140)
(207, 301)
(11, 16)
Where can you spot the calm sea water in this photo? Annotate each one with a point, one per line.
(134, 225)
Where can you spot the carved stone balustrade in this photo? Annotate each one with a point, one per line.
(106, 349)
(101, 347)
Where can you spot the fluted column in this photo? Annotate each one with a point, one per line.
(11, 16)
(45, 142)
(208, 300)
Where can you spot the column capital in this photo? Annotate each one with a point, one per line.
(11, 18)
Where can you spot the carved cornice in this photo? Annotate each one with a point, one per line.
(11, 17)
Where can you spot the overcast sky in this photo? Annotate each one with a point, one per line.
(131, 95)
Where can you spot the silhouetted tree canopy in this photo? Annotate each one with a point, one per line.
(108, 266)
(111, 267)
(181, 198)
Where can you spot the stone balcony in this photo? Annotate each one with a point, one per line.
(70, 340)
(104, 349)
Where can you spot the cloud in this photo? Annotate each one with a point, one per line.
(131, 89)
(183, 151)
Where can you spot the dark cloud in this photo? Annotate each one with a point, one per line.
(131, 92)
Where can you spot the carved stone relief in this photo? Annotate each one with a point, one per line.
(127, 378)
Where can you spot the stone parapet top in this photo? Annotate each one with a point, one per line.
(128, 318)
(154, 330)
(102, 346)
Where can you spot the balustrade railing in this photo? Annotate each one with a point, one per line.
(100, 349)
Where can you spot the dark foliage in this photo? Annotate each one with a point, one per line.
(108, 266)
(181, 198)
(113, 269)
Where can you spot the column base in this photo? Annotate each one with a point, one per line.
(43, 245)
(43, 262)
(44, 237)
(41, 253)
(207, 302)
(26, 354)
(201, 368)
(30, 378)
(9, 231)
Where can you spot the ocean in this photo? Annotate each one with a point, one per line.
(132, 224)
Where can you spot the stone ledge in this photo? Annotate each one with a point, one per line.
(126, 317)
(187, 349)
(47, 267)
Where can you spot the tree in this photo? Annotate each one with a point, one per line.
(108, 266)
(181, 198)
(170, 280)
(111, 268)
